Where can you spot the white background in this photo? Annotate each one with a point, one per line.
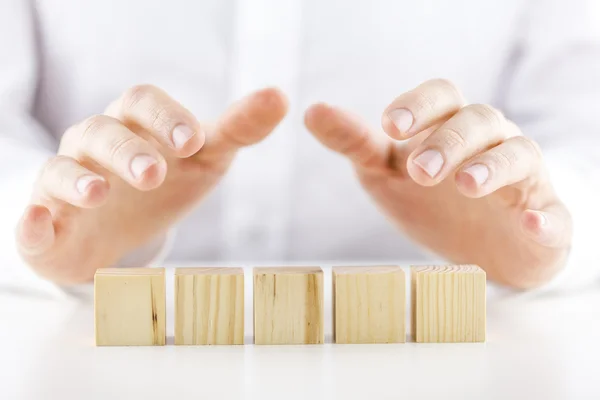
(539, 346)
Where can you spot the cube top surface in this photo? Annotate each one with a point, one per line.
(209, 271)
(131, 271)
(382, 269)
(448, 269)
(287, 270)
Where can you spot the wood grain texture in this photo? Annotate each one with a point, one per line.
(449, 304)
(209, 306)
(369, 304)
(288, 306)
(130, 307)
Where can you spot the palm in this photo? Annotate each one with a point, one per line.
(483, 231)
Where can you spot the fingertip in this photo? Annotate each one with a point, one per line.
(201, 139)
(37, 213)
(397, 123)
(388, 127)
(187, 139)
(465, 183)
(537, 225)
(155, 175)
(316, 113)
(35, 228)
(418, 176)
(95, 193)
(273, 100)
(152, 175)
(249, 120)
(423, 171)
(468, 185)
(533, 222)
(192, 146)
(552, 227)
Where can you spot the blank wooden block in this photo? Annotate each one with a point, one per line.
(209, 306)
(129, 305)
(369, 305)
(288, 305)
(448, 303)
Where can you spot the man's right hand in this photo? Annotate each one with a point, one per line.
(124, 177)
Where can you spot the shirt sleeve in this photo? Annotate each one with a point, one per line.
(24, 148)
(553, 94)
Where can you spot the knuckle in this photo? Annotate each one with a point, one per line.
(136, 94)
(452, 138)
(435, 91)
(152, 112)
(503, 159)
(531, 145)
(487, 115)
(93, 125)
(53, 172)
(160, 119)
(53, 165)
(444, 85)
(425, 101)
(121, 146)
(448, 89)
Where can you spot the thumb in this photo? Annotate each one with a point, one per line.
(246, 122)
(348, 135)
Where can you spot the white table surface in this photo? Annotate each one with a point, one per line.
(538, 347)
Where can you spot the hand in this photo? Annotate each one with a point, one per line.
(464, 181)
(122, 178)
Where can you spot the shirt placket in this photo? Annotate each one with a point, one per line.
(258, 186)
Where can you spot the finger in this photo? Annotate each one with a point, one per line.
(347, 135)
(472, 130)
(512, 161)
(149, 108)
(35, 231)
(63, 178)
(106, 141)
(416, 110)
(551, 227)
(246, 122)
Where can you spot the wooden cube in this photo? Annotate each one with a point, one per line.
(209, 306)
(288, 305)
(448, 303)
(129, 306)
(369, 305)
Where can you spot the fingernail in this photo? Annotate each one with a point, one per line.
(542, 217)
(84, 182)
(181, 135)
(402, 119)
(140, 164)
(535, 224)
(479, 173)
(431, 161)
(533, 220)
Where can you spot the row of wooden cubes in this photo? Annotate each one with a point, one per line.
(448, 305)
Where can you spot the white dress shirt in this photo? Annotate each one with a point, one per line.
(288, 199)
